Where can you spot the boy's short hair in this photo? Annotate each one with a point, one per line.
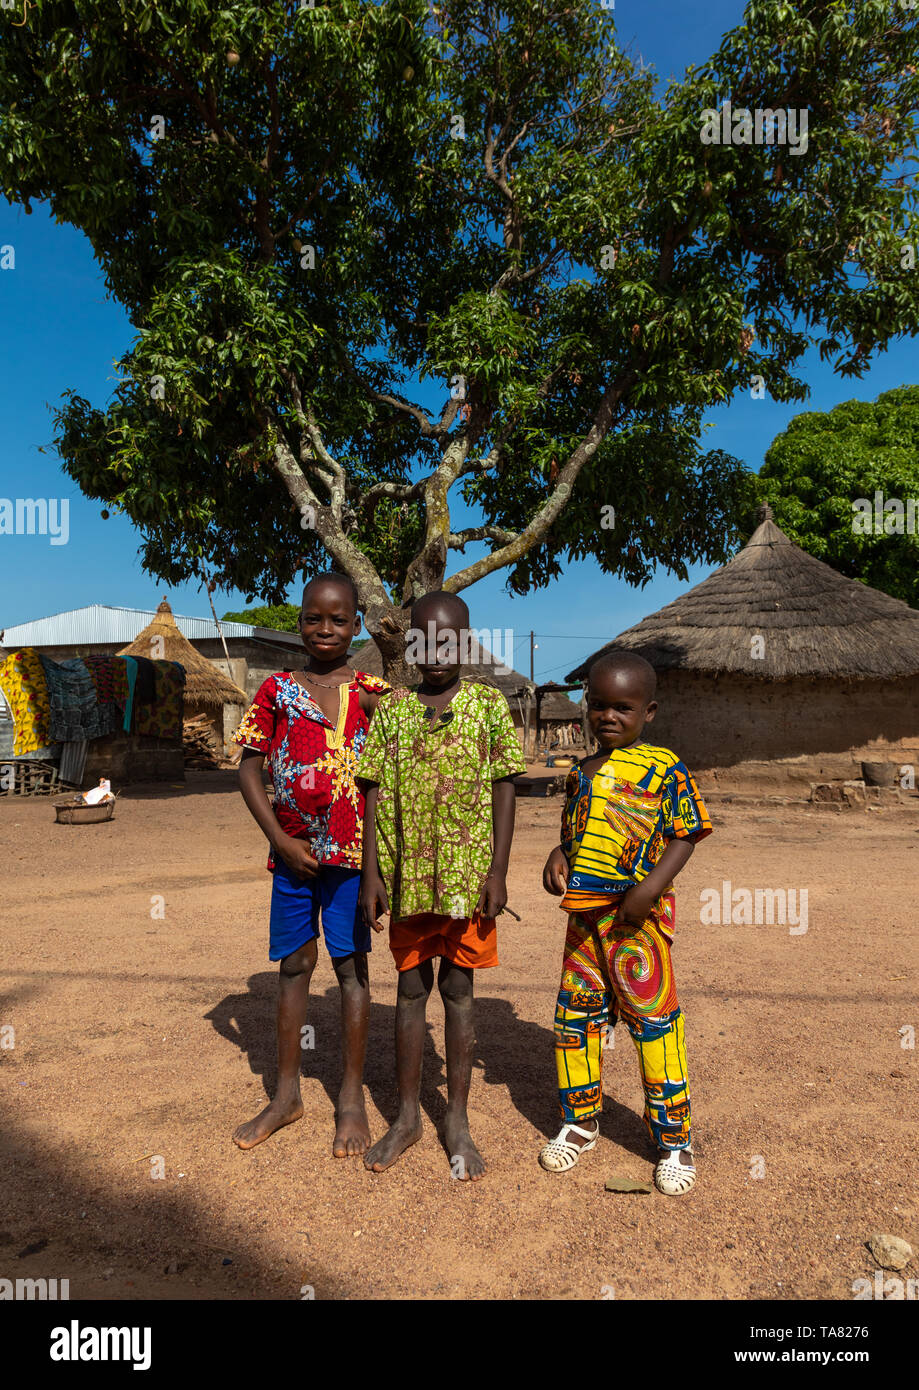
(636, 665)
(452, 604)
(333, 576)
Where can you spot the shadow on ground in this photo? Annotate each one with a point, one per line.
(510, 1052)
(61, 1220)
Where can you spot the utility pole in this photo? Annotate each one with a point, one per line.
(526, 736)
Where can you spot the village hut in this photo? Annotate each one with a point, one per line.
(777, 667)
(209, 692)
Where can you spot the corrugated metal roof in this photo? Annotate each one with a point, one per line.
(100, 623)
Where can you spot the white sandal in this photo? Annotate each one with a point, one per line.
(560, 1154)
(671, 1176)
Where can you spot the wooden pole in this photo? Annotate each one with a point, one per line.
(219, 628)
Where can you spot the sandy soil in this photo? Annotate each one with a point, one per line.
(139, 1035)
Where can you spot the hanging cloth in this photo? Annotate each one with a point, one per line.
(130, 673)
(22, 680)
(75, 710)
(163, 719)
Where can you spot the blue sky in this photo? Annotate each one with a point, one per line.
(60, 331)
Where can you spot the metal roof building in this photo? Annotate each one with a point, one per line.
(99, 623)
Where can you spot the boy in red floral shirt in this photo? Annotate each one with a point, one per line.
(312, 725)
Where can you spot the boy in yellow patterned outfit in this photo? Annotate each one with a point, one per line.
(632, 817)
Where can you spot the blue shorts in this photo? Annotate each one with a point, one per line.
(295, 909)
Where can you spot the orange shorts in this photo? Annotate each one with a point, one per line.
(469, 941)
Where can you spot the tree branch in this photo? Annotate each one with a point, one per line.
(346, 555)
(537, 529)
(427, 428)
(458, 540)
(274, 117)
(304, 207)
(319, 458)
(399, 492)
(493, 457)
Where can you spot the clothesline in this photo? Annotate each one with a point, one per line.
(54, 704)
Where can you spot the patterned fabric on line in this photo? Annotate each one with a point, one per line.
(615, 970)
(110, 681)
(130, 677)
(163, 718)
(75, 711)
(22, 680)
(616, 825)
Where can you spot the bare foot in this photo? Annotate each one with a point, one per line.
(352, 1132)
(276, 1115)
(403, 1134)
(466, 1163)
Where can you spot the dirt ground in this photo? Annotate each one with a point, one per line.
(136, 981)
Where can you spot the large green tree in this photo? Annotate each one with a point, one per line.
(282, 617)
(844, 485)
(379, 256)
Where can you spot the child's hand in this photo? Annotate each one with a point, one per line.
(297, 857)
(373, 900)
(555, 874)
(493, 896)
(636, 906)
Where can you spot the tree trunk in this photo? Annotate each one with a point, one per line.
(388, 631)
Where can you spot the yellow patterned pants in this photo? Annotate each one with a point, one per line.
(615, 971)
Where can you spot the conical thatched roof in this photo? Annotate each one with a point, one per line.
(205, 684)
(812, 620)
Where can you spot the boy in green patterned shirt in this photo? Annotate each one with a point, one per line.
(439, 766)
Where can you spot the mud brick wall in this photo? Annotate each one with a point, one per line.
(803, 730)
(126, 758)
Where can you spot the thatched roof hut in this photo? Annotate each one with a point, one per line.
(776, 659)
(205, 683)
(813, 621)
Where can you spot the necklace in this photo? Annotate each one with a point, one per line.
(327, 685)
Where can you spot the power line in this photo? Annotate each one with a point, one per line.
(555, 637)
(548, 670)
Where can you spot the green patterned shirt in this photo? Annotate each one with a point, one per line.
(433, 818)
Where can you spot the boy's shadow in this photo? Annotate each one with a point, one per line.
(250, 1022)
(521, 1056)
(510, 1052)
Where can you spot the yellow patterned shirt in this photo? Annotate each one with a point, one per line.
(616, 826)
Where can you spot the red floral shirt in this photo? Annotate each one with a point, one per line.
(313, 762)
